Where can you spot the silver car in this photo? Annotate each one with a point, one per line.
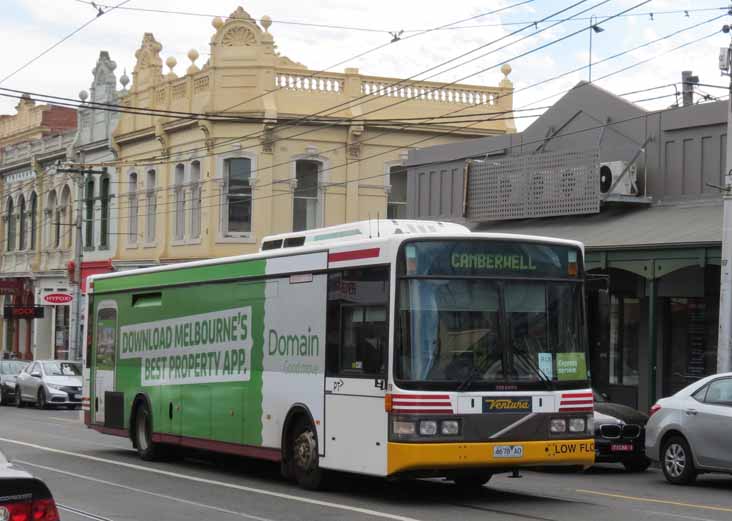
(49, 382)
(689, 432)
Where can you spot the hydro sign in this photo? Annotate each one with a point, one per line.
(57, 299)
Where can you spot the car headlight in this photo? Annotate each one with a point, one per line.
(450, 427)
(558, 425)
(404, 428)
(54, 386)
(577, 425)
(428, 427)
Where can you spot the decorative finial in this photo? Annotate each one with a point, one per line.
(171, 62)
(193, 56)
(266, 22)
(124, 79)
(506, 70)
(83, 95)
(217, 23)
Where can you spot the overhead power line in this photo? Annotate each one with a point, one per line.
(62, 40)
(391, 32)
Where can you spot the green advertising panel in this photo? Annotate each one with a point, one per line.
(571, 366)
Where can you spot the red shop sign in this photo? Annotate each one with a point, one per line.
(57, 298)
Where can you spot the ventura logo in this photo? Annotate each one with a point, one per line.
(507, 404)
(58, 298)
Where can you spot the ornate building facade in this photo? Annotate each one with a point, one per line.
(252, 143)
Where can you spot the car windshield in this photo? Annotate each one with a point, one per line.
(489, 331)
(61, 369)
(12, 367)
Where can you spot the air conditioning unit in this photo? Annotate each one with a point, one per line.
(611, 171)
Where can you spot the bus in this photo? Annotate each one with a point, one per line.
(393, 348)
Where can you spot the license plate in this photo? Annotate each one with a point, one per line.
(622, 447)
(508, 451)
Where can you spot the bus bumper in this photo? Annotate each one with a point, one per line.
(404, 457)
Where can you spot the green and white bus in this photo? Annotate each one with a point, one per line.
(387, 348)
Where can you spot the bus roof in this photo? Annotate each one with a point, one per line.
(343, 235)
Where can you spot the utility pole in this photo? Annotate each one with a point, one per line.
(724, 345)
(687, 87)
(76, 339)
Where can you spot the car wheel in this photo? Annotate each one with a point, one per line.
(2, 396)
(305, 458)
(41, 399)
(472, 481)
(637, 465)
(18, 397)
(678, 463)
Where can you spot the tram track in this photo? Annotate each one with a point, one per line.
(82, 513)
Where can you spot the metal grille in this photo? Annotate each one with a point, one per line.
(611, 431)
(534, 185)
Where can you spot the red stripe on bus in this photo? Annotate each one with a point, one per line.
(577, 395)
(421, 411)
(421, 396)
(219, 446)
(419, 403)
(109, 430)
(341, 256)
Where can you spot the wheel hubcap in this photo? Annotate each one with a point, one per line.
(304, 450)
(142, 433)
(675, 460)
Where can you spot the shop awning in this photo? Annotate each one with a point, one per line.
(617, 228)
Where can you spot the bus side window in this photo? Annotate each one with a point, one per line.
(357, 326)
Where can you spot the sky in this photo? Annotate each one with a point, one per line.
(27, 27)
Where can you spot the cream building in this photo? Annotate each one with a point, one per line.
(280, 147)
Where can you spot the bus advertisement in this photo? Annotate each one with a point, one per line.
(389, 348)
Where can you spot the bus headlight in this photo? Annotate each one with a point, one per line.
(558, 425)
(577, 425)
(428, 427)
(403, 428)
(450, 427)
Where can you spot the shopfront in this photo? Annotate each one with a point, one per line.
(52, 332)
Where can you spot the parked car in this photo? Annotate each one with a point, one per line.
(9, 370)
(619, 434)
(48, 383)
(24, 497)
(689, 432)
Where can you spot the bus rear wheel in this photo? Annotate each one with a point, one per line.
(142, 434)
(304, 457)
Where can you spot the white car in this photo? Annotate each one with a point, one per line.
(689, 432)
(49, 382)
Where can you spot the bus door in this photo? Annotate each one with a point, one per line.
(356, 428)
(104, 356)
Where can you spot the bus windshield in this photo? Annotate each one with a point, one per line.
(484, 331)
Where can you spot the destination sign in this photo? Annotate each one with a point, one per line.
(485, 257)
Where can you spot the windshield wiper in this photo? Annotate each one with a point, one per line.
(474, 373)
(541, 374)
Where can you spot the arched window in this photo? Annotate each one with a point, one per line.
(33, 221)
(152, 206)
(132, 208)
(195, 200)
(89, 213)
(180, 203)
(10, 223)
(23, 224)
(306, 204)
(52, 228)
(104, 221)
(63, 217)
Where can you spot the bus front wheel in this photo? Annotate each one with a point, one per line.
(472, 481)
(305, 460)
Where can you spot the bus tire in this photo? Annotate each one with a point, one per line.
(142, 433)
(472, 481)
(304, 463)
